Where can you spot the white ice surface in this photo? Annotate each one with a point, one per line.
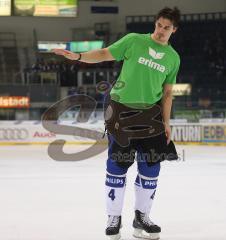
(41, 199)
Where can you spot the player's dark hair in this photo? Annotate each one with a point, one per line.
(173, 14)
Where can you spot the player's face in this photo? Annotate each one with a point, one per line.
(163, 29)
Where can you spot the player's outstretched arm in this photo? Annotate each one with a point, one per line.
(94, 56)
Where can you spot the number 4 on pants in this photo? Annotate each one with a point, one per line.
(111, 194)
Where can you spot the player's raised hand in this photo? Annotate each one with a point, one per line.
(67, 54)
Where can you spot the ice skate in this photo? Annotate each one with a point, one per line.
(144, 227)
(113, 227)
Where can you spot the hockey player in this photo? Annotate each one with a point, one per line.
(150, 67)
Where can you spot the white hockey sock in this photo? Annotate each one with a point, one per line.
(144, 193)
(115, 190)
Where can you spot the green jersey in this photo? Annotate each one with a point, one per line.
(147, 66)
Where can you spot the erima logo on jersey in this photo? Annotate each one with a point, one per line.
(151, 64)
(154, 54)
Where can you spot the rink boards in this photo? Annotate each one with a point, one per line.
(29, 132)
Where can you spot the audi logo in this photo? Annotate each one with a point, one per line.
(13, 133)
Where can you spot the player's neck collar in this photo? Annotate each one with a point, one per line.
(157, 42)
